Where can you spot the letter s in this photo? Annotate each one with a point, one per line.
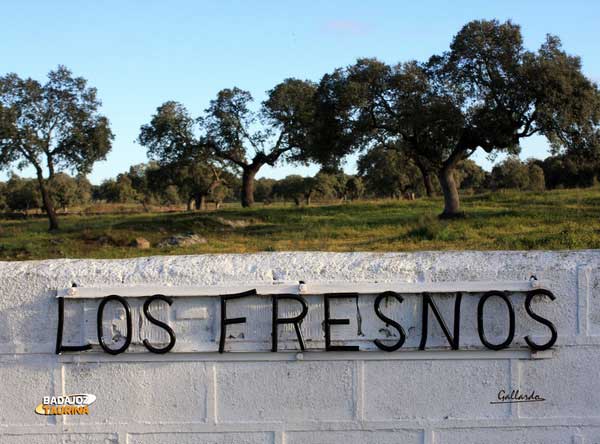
(540, 319)
(153, 320)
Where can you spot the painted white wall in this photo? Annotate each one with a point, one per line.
(366, 397)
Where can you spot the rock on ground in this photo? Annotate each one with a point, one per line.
(182, 240)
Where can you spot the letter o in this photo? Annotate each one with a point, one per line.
(511, 320)
(99, 320)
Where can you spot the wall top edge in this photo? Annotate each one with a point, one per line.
(593, 254)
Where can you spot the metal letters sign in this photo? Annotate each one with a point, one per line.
(303, 317)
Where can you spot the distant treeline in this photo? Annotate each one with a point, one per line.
(380, 175)
(414, 124)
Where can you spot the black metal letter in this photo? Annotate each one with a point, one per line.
(389, 321)
(329, 322)
(153, 320)
(125, 304)
(296, 320)
(452, 339)
(540, 319)
(59, 332)
(224, 321)
(511, 320)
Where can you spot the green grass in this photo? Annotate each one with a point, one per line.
(561, 219)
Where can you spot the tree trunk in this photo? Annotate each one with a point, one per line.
(50, 167)
(200, 201)
(48, 205)
(307, 198)
(248, 186)
(189, 203)
(427, 179)
(451, 199)
(428, 182)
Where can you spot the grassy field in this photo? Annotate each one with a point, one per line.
(561, 219)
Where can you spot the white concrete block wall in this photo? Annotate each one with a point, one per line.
(431, 397)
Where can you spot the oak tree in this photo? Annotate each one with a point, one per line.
(172, 139)
(51, 127)
(487, 92)
(249, 139)
(506, 93)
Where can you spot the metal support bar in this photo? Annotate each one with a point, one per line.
(300, 287)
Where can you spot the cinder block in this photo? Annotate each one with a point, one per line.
(563, 312)
(434, 390)
(556, 269)
(591, 435)
(285, 391)
(154, 392)
(521, 435)
(569, 382)
(23, 384)
(201, 438)
(28, 312)
(355, 437)
(60, 439)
